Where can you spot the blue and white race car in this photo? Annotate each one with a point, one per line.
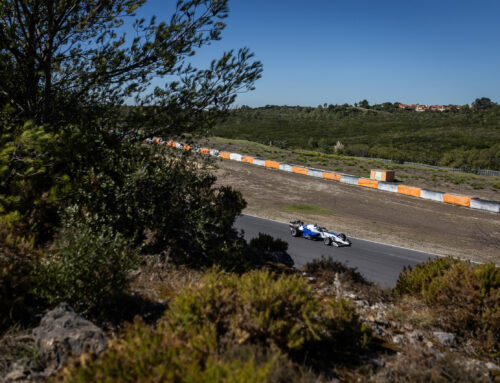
(318, 233)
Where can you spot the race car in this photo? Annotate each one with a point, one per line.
(318, 233)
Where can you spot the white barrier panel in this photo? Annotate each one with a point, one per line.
(351, 180)
(178, 145)
(196, 150)
(235, 157)
(259, 161)
(431, 195)
(388, 186)
(315, 173)
(285, 167)
(214, 152)
(484, 204)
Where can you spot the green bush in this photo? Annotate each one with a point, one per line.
(88, 266)
(465, 298)
(259, 308)
(144, 354)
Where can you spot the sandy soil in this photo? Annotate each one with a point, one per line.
(367, 213)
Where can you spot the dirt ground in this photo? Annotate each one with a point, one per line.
(367, 213)
(451, 182)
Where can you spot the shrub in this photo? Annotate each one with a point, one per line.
(144, 354)
(279, 312)
(465, 298)
(88, 265)
(18, 260)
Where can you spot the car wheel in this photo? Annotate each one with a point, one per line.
(342, 236)
(327, 241)
(294, 232)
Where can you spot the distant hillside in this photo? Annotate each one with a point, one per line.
(465, 138)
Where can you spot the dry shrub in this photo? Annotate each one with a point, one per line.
(326, 270)
(465, 298)
(418, 365)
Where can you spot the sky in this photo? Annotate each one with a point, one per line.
(335, 52)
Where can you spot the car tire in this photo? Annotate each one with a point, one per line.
(327, 241)
(342, 236)
(294, 232)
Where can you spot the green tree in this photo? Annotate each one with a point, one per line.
(364, 104)
(64, 59)
(482, 103)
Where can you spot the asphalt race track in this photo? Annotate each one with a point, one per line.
(377, 262)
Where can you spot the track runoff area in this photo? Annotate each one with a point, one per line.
(377, 262)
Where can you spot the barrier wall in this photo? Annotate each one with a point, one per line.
(347, 179)
(368, 183)
(456, 199)
(461, 200)
(272, 164)
(285, 167)
(484, 204)
(409, 190)
(331, 176)
(300, 170)
(259, 161)
(431, 195)
(315, 173)
(247, 159)
(388, 186)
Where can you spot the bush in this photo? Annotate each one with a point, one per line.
(18, 259)
(144, 354)
(465, 298)
(278, 312)
(150, 193)
(88, 266)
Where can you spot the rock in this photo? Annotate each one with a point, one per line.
(492, 367)
(445, 338)
(18, 373)
(63, 333)
(398, 339)
(415, 337)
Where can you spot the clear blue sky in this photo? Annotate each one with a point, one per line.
(429, 52)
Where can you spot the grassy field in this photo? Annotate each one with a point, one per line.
(465, 139)
(306, 209)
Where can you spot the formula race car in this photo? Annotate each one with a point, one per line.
(318, 233)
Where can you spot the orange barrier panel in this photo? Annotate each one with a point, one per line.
(187, 147)
(171, 143)
(368, 183)
(461, 200)
(225, 155)
(247, 159)
(157, 140)
(205, 151)
(331, 176)
(299, 170)
(272, 164)
(409, 190)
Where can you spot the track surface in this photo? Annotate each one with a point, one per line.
(377, 262)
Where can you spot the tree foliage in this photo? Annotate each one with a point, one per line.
(65, 60)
